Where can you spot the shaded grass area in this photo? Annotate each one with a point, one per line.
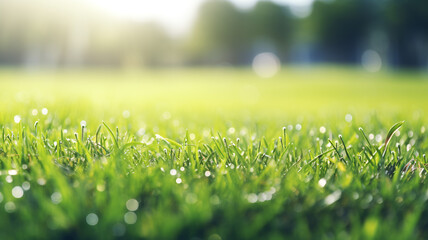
(212, 153)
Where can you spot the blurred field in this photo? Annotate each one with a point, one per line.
(161, 101)
(208, 93)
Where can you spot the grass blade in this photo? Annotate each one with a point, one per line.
(111, 135)
(391, 132)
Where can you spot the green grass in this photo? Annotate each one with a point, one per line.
(213, 153)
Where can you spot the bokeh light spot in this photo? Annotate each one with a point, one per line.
(266, 65)
(371, 61)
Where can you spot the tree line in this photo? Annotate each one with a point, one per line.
(67, 33)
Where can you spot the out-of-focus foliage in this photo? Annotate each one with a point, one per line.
(71, 33)
(339, 28)
(272, 27)
(219, 33)
(396, 29)
(407, 26)
(225, 33)
(74, 33)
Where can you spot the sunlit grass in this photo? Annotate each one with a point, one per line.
(212, 153)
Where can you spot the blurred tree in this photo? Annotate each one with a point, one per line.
(220, 34)
(339, 27)
(407, 26)
(70, 33)
(145, 44)
(271, 25)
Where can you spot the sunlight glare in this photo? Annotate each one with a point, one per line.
(176, 16)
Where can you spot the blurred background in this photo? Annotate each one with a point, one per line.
(373, 35)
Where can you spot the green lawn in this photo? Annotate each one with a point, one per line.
(213, 154)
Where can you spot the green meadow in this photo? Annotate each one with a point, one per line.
(213, 153)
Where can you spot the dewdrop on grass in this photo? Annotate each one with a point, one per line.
(56, 197)
(132, 205)
(9, 179)
(17, 192)
(252, 198)
(130, 218)
(10, 207)
(322, 182)
(17, 118)
(231, 130)
(92, 219)
(26, 186)
(41, 181)
(126, 114)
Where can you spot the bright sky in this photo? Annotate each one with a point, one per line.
(176, 16)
